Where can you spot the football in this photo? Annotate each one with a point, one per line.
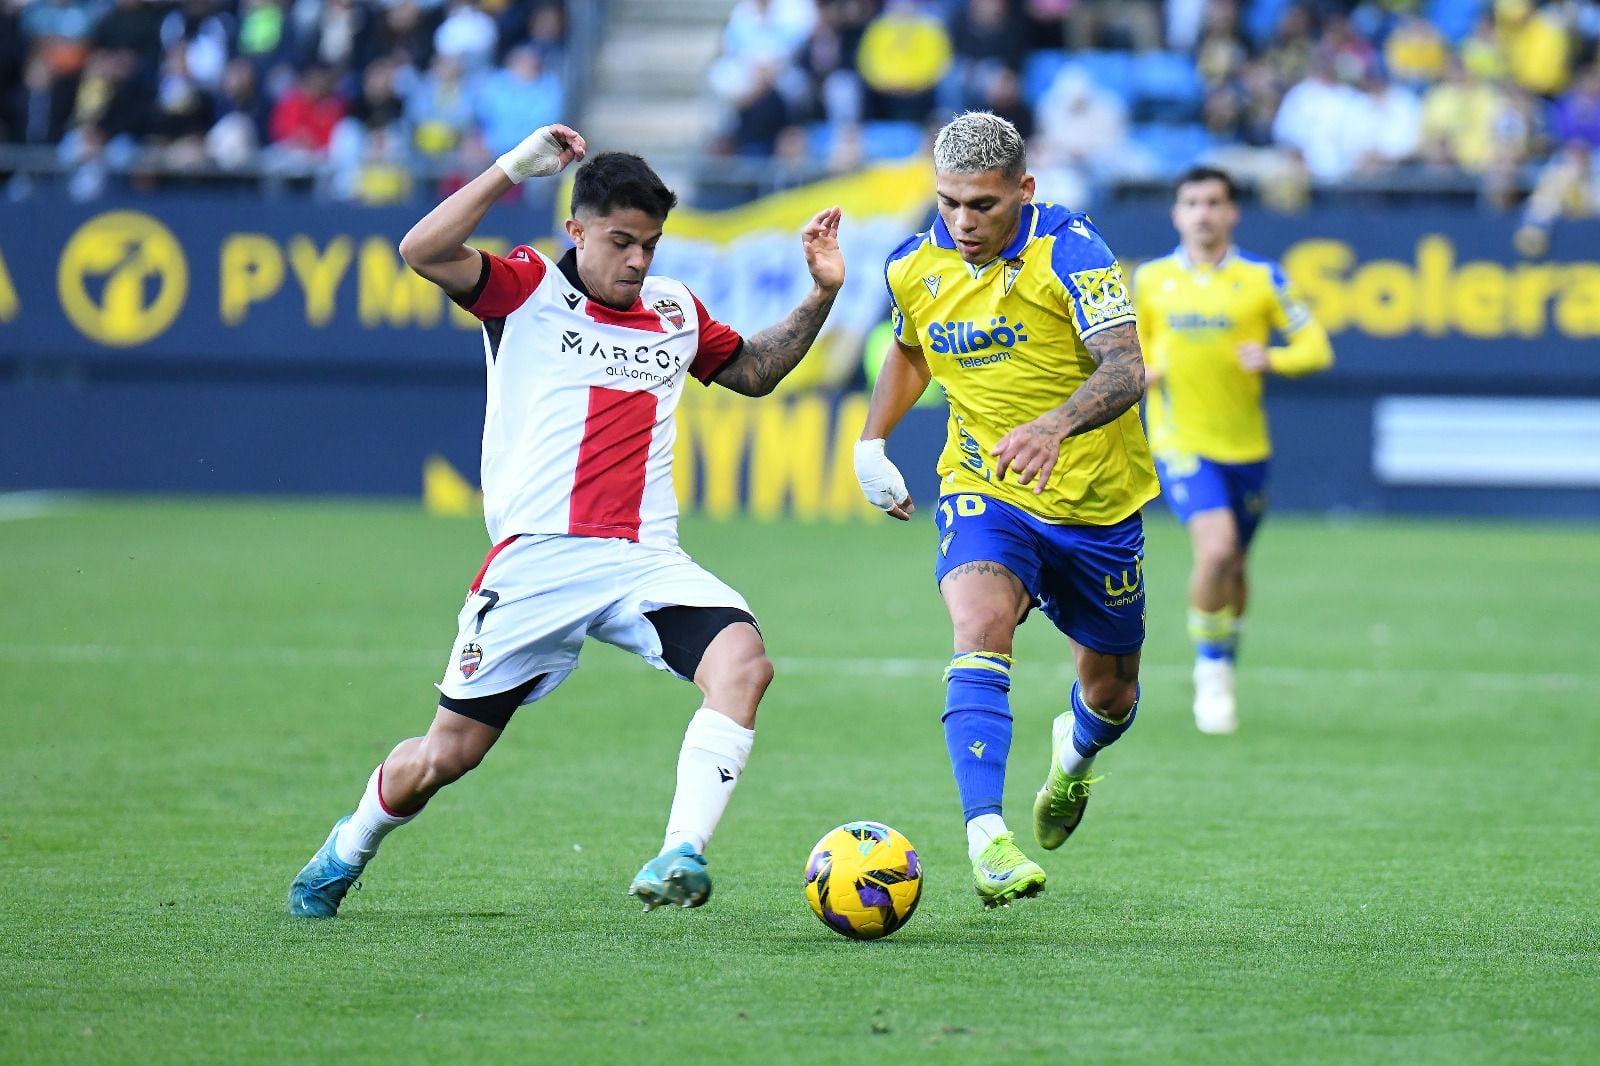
(863, 880)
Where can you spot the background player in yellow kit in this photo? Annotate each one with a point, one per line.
(1207, 312)
(1020, 311)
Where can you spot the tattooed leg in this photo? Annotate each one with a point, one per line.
(986, 602)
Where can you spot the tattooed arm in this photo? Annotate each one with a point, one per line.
(1031, 450)
(1113, 388)
(767, 357)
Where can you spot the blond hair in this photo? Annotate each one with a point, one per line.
(976, 141)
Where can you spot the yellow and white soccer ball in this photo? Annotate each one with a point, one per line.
(863, 880)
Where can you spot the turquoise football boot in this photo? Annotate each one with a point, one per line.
(320, 887)
(676, 876)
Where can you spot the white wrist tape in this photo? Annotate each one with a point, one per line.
(538, 154)
(880, 479)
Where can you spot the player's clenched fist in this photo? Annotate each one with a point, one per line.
(881, 481)
(547, 150)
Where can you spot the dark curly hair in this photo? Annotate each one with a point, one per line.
(620, 180)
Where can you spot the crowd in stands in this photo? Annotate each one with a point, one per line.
(363, 94)
(1491, 96)
(1294, 94)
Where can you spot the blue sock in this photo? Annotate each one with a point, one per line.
(1090, 731)
(977, 728)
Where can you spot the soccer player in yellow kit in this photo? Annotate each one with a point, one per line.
(1207, 312)
(1020, 312)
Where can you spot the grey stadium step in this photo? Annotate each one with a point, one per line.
(671, 15)
(673, 127)
(641, 64)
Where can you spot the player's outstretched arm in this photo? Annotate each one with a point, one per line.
(1031, 450)
(768, 356)
(436, 247)
(904, 375)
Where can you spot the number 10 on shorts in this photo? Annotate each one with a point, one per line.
(966, 505)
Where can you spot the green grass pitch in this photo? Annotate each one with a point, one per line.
(1396, 860)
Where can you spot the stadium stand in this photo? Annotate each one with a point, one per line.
(1458, 97)
(344, 97)
(381, 100)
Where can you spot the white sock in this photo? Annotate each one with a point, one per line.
(714, 751)
(981, 830)
(1073, 764)
(359, 838)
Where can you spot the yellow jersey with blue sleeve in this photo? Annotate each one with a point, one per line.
(1192, 319)
(1005, 340)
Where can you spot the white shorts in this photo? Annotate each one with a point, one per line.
(539, 596)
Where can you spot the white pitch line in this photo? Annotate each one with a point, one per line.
(292, 657)
(16, 506)
(197, 655)
(1284, 675)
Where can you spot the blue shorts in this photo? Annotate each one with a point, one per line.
(1192, 484)
(1088, 580)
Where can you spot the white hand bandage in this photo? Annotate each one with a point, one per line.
(538, 154)
(880, 479)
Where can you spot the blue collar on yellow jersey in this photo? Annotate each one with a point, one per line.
(1025, 226)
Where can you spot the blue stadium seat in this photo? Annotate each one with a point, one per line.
(1262, 18)
(1166, 87)
(1110, 71)
(879, 140)
(819, 136)
(890, 140)
(1454, 17)
(1039, 69)
(1173, 147)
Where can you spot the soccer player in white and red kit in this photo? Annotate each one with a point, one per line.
(587, 358)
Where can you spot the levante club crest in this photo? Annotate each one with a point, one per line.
(471, 656)
(669, 310)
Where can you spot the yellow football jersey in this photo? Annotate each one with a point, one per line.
(1006, 341)
(1192, 319)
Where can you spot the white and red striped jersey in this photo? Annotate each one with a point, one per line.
(578, 430)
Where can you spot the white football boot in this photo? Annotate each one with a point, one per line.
(1215, 710)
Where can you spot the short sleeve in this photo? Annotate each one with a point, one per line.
(504, 284)
(719, 344)
(905, 327)
(1289, 311)
(1095, 292)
